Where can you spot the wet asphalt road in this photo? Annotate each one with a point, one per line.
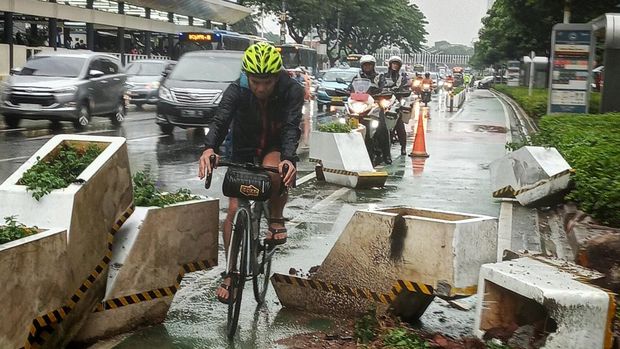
(454, 178)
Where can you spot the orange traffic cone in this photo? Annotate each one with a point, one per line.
(419, 143)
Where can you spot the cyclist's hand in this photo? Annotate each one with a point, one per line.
(290, 175)
(204, 166)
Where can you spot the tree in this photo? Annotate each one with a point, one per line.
(365, 25)
(513, 28)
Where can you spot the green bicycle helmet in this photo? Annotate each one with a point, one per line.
(262, 58)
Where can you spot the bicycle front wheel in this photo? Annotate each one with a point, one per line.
(261, 255)
(237, 264)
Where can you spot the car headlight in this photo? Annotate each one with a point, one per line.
(358, 107)
(165, 94)
(426, 86)
(153, 85)
(66, 90)
(374, 124)
(416, 83)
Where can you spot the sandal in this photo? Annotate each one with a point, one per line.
(274, 231)
(227, 288)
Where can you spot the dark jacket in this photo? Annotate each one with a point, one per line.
(255, 132)
(395, 80)
(376, 79)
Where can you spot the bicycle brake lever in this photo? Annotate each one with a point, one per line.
(212, 159)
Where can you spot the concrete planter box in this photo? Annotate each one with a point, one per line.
(344, 159)
(439, 250)
(32, 280)
(553, 296)
(87, 211)
(151, 253)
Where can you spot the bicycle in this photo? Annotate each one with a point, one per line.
(247, 252)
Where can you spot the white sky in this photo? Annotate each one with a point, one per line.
(456, 21)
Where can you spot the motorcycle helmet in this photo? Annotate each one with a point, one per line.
(427, 75)
(395, 59)
(368, 59)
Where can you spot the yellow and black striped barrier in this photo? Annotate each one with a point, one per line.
(156, 293)
(505, 192)
(43, 326)
(386, 298)
(555, 176)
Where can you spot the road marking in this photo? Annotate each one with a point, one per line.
(145, 138)
(508, 126)
(13, 129)
(17, 158)
(306, 178)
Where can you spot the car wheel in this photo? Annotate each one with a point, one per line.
(83, 117)
(139, 106)
(12, 121)
(55, 125)
(166, 128)
(119, 115)
(320, 107)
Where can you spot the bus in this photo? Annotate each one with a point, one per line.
(212, 40)
(297, 55)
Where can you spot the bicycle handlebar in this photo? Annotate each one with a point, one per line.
(247, 166)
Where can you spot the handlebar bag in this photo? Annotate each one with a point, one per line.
(247, 184)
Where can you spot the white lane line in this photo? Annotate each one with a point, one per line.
(322, 204)
(306, 178)
(13, 129)
(79, 133)
(457, 114)
(507, 117)
(504, 229)
(146, 138)
(13, 159)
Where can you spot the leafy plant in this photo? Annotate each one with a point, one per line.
(335, 127)
(59, 171)
(147, 194)
(402, 338)
(366, 327)
(12, 230)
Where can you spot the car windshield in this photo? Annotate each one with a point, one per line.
(207, 68)
(344, 75)
(145, 69)
(57, 66)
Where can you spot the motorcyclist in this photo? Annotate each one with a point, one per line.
(367, 62)
(416, 86)
(396, 80)
(449, 81)
(382, 135)
(427, 80)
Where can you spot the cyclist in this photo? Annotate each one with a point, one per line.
(265, 108)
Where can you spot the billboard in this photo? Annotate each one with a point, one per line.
(572, 56)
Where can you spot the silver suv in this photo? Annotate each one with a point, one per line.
(65, 87)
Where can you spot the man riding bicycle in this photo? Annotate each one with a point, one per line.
(265, 109)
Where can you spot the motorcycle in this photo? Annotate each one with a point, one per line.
(426, 94)
(370, 111)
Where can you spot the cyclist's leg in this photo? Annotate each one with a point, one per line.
(277, 201)
(222, 291)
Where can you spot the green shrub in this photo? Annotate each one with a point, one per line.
(12, 230)
(58, 171)
(536, 105)
(146, 193)
(335, 127)
(591, 145)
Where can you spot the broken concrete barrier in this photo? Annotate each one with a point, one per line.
(344, 160)
(91, 210)
(552, 296)
(152, 252)
(534, 175)
(383, 252)
(32, 280)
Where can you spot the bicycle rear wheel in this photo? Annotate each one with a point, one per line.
(261, 255)
(238, 253)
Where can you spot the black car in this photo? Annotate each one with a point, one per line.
(190, 94)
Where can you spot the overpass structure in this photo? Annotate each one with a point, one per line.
(431, 61)
(149, 26)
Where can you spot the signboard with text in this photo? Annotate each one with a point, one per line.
(572, 55)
